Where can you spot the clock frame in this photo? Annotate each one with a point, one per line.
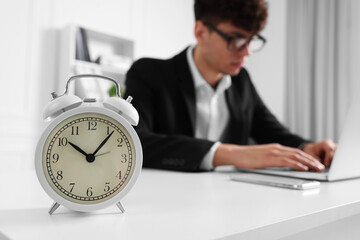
(63, 123)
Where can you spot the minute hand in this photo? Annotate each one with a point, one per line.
(102, 143)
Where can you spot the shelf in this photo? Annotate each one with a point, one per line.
(94, 67)
(105, 54)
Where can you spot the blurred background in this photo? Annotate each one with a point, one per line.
(307, 73)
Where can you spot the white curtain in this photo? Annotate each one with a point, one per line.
(323, 65)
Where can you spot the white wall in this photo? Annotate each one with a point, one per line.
(267, 67)
(160, 28)
(18, 86)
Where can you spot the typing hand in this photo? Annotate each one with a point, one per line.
(267, 155)
(323, 151)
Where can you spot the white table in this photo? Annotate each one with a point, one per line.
(174, 205)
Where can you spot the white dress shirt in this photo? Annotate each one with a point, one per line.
(212, 113)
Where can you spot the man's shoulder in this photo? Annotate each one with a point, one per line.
(148, 65)
(243, 74)
(147, 60)
(242, 78)
(160, 64)
(155, 71)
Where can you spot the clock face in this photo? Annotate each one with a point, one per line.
(88, 158)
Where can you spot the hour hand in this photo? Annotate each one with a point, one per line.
(78, 149)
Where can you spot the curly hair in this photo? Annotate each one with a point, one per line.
(249, 15)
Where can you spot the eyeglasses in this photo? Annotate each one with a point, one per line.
(235, 44)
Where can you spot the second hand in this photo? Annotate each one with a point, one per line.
(102, 154)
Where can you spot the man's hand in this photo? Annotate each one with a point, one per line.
(323, 151)
(267, 155)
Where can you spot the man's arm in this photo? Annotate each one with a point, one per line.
(267, 130)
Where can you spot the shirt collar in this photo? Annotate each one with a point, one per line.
(199, 81)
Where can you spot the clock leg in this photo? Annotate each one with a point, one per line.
(53, 207)
(120, 206)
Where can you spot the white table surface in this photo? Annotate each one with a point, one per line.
(175, 205)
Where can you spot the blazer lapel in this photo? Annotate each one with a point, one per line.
(234, 103)
(186, 85)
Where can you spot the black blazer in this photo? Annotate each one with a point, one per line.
(164, 95)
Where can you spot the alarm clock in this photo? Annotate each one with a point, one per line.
(89, 155)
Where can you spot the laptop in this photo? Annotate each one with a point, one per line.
(346, 161)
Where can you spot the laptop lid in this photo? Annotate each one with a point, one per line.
(346, 161)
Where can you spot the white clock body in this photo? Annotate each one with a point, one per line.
(88, 157)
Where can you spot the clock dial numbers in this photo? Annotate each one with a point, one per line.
(123, 158)
(92, 125)
(68, 147)
(89, 192)
(63, 141)
(118, 175)
(74, 130)
(55, 157)
(72, 185)
(59, 175)
(107, 187)
(120, 142)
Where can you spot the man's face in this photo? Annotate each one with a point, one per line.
(216, 52)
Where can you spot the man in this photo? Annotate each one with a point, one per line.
(199, 109)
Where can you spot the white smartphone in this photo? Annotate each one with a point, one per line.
(284, 182)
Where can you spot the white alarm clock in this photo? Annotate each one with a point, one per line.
(89, 156)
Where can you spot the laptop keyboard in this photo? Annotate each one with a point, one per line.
(290, 169)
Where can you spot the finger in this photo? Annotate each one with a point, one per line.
(315, 157)
(329, 155)
(307, 160)
(301, 158)
(288, 162)
(328, 148)
(302, 153)
(328, 158)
